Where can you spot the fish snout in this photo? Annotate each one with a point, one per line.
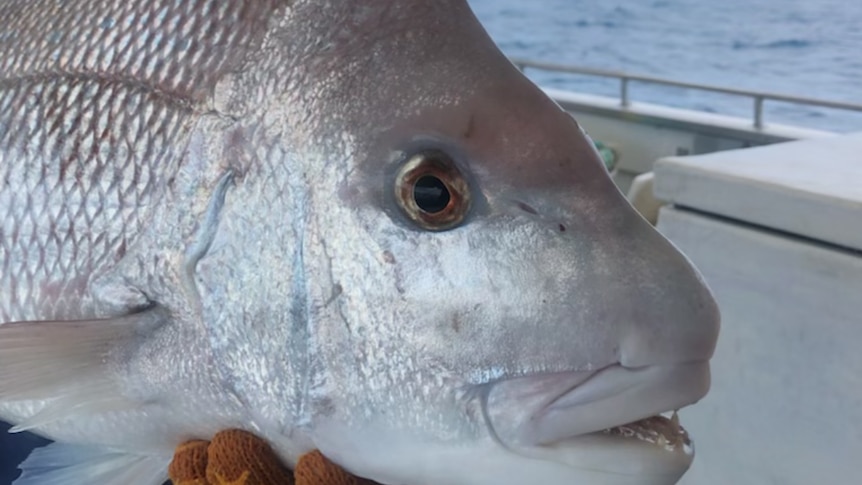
(631, 289)
(676, 318)
(620, 292)
(622, 285)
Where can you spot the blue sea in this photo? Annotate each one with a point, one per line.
(802, 47)
(809, 48)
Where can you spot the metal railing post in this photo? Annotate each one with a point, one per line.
(758, 112)
(624, 92)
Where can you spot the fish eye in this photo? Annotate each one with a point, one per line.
(431, 191)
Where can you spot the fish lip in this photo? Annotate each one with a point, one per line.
(578, 404)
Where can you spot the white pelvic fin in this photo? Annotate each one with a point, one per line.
(90, 398)
(62, 464)
(53, 359)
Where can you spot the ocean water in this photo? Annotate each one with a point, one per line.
(810, 48)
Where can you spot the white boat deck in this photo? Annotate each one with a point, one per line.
(810, 188)
(777, 233)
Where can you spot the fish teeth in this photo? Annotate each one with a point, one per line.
(674, 419)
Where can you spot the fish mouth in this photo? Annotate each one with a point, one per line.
(663, 431)
(617, 419)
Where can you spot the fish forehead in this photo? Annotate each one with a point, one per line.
(380, 73)
(336, 60)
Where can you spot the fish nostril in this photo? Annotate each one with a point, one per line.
(527, 208)
(523, 206)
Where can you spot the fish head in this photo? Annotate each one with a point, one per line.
(480, 300)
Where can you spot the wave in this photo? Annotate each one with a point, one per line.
(777, 44)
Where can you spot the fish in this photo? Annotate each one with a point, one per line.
(346, 226)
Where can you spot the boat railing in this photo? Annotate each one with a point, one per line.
(625, 79)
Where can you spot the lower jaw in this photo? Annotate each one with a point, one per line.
(654, 450)
(661, 431)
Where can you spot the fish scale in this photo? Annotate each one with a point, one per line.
(78, 187)
(93, 111)
(155, 43)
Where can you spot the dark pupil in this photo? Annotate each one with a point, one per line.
(431, 194)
